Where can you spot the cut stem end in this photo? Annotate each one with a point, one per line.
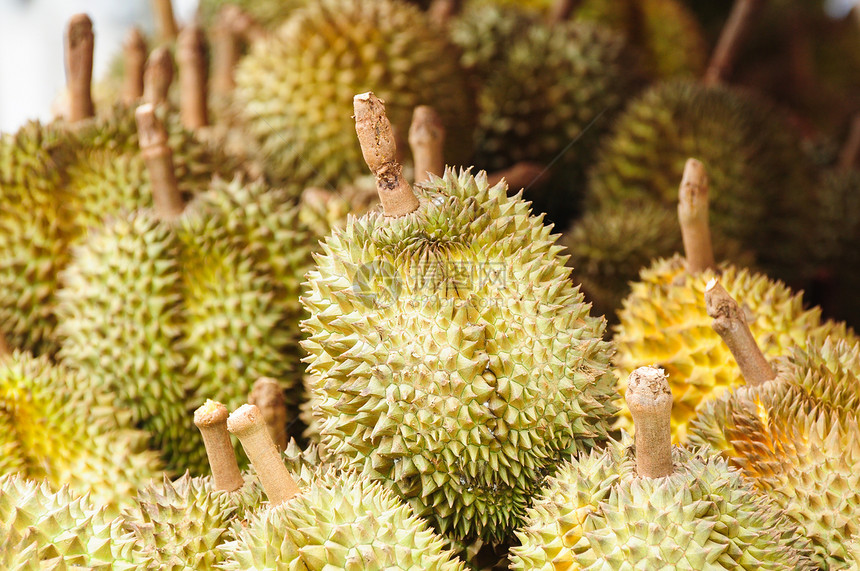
(650, 402)
(211, 420)
(693, 217)
(79, 67)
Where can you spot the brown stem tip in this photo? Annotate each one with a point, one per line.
(193, 76)
(79, 67)
(441, 12)
(693, 216)
(211, 419)
(380, 153)
(248, 425)
(167, 28)
(225, 52)
(134, 55)
(561, 11)
(158, 157)
(650, 402)
(732, 37)
(849, 156)
(523, 175)
(268, 396)
(730, 323)
(158, 76)
(427, 140)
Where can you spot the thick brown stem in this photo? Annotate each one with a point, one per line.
(244, 25)
(380, 151)
(442, 11)
(159, 162)
(522, 175)
(225, 53)
(248, 425)
(79, 67)
(427, 140)
(650, 402)
(693, 216)
(849, 156)
(158, 76)
(193, 75)
(166, 21)
(268, 396)
(134, 52)
(732, 37)
(561, 11)
(211, 419)
(731, 324)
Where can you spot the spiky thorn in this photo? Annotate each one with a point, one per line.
(380, 151)
(225, 52)
(849, 156)
(211, 420)
(193, 76)
(523, 174)
(441, 12)
(693, 216)
(134, 57)
(243, 25)
(167, 29)
(157, 76)
(267, 395)
(561, 11)
(732, 37)
(159, 162)
(79, 67)
(650, 402)
(731, 324)
(427, 140)
(248, 425)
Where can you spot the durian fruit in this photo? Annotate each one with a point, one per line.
(341, 520)
(295, 88)
(166, 305)
(760, 178)
(450, 355)
(57, 426)
(655, 506)
(665, 322)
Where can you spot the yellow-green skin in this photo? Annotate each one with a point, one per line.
(295, 89)
(340, 521)
(597, 514)
(797, 439)
(663, 322)
(451, 357)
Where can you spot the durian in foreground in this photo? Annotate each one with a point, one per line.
(793, 431)
(664, 320)
(340, 520)
(451, 356)
(655, 506)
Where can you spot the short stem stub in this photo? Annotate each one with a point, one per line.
(248, 425)
(650, 402)
(380, 151)
(734, 32)
(225, 53)
(166, 20)
(193, 76)
(158, 157)
(268, 396)
(730, 323)
(134, 55)
(427, 140)
(157, 76)
(523, 175)
(79, 67)
(693, 216)
(211, 419)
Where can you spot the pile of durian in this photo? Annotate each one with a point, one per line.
(303, 308)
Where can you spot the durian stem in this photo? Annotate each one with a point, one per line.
(248, 425)
(522, 175)
(849, 156)
(380, 151)
(225, 53)
(427, 140)
(157, 76)
(79, 67)
(5, 350)
(243, 24)
(134, 55)
(159, 162)
(731, 324)
(733, 35)
(193, 72)
(167, 29)
(693, 216)
(561, 11)
(442, 11)
(650, 402)
(268, 396)
(211, 419)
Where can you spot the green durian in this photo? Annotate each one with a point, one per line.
(56, 425)
(295, 88)
(597, 513)
(340, 521)
(759, 175)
